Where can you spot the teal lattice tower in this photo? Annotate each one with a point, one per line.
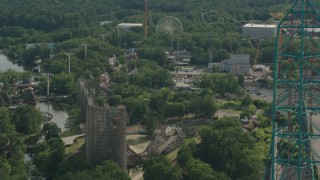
(296, 94)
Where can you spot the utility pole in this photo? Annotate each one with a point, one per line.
(145, 18)
(68, 54)
(48, 84)
(85, 50)
(103, 36)
(255, 60)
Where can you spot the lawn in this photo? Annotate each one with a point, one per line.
(74, 148)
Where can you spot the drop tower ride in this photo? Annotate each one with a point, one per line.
(295, 145)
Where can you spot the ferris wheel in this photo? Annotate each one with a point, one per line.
(169, 25)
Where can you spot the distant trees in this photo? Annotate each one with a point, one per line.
(156, 54)
(10, 76)
(151, 76)
(220, 83)
(41, 52)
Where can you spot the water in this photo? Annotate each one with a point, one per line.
(59, 116)
(5, 64)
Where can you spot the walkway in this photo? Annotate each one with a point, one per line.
(70, 139)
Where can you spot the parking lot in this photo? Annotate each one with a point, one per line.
(260, 93)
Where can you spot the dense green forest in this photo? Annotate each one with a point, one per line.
(57, 21)
(211, 30)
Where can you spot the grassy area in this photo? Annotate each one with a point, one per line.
(74, 148)
(173, 155)
(227, 112)
(139, 140)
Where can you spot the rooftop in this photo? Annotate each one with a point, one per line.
(130, 24)
(261, 25)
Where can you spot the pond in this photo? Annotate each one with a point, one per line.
(59, 114)
(5, 64)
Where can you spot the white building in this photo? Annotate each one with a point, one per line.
(129, 26)
(236, 64)
(105, 22)
(261, 67)
(260, 31)
(186, 69)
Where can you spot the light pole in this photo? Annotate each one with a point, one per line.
(48, 84)
(103, 36)
(85, 50)
(68, 54)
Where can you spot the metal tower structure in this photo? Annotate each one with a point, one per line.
(296, 94)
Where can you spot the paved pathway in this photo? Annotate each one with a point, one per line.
(70, 139)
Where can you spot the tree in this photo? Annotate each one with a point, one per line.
(101, 100)
(106, 170)
(197, 169)
(48, 155)
(246, 101)
(220, 83)
(119, 77)
(159, 98)
(174, 109)
(203, 106)
(184, 155)
(74, 119)
(63, 83)
(40, 51)
(114, 100)
(6, 125)
(152, 76)
(136, 108)
(110, 170)
(27, 119)
(51, 130)
(160, 168)
(126, 90)
(267, 54)
(156, 54)
(13, 166)
(151, 120)
(224, 144)
(241, 79)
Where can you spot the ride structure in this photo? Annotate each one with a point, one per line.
(105, 127)
(169, 25)
(296, 95)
